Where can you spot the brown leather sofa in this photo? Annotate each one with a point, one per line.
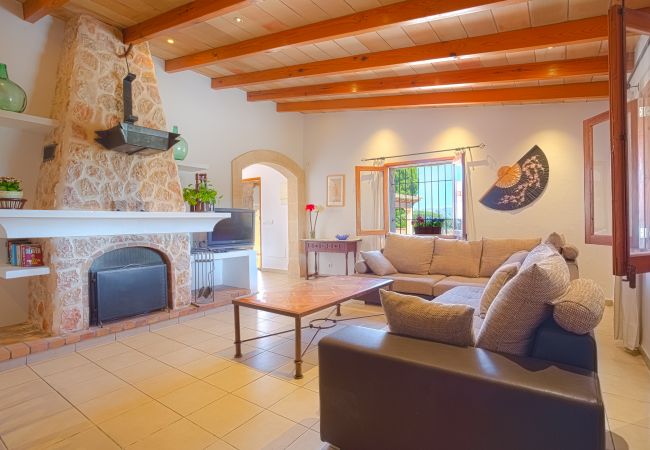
(383, 391)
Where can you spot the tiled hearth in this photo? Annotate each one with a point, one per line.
(18, 342)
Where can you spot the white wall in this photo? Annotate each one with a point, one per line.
(221, 125)
(336, 142)
(275, 216)
(31, 53)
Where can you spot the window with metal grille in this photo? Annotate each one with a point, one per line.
(427, 197)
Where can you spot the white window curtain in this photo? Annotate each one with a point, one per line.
(627, 314)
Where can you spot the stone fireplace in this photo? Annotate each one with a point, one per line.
(84, 176)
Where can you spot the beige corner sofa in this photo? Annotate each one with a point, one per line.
(431, 266)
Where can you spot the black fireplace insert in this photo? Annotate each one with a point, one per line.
(127, 282)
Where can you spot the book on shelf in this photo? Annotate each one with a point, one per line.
(23, 253)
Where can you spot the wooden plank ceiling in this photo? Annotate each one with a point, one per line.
(329, 55)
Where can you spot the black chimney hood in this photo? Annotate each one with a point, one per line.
(127, 137)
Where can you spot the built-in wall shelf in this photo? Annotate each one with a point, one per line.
(191, 167)
(9, 272)
(27, 122)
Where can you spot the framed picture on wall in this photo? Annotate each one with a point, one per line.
(336, 190)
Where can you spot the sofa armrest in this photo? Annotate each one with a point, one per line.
(553, 343)
(383, 391)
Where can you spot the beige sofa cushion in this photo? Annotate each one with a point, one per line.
(498, 279)
(378, 263)
(524, 303)
(409, 254)
(496, 251)
(413, 316)
(581, 309)
(414, 284)
(454, 257)
(448, 283)
(465, 295)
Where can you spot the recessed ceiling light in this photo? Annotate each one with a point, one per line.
(170, 41)
(239, 19)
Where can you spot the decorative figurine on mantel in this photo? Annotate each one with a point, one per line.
(11, 194)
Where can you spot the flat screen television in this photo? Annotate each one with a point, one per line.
(236, 232)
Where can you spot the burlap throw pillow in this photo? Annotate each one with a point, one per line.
(581, 309)
(524, 303)
(454, 257)
(497, 251)
(378, 263)
(498, 279)
(413, 316)
(409, 254)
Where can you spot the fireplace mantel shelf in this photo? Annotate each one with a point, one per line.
(33, 223)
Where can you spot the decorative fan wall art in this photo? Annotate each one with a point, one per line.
(520, 184)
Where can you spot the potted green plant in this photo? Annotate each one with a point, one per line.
(10, 188)
(201, 197)
(427, 225)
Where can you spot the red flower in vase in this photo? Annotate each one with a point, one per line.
(310, 207)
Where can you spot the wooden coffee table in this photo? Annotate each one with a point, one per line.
(305, 298)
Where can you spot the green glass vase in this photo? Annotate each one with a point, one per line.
(12, 96)
(180, 148)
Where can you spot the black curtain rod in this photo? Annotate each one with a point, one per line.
(469, 147)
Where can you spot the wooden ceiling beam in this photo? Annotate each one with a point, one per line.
(533, 71)
(595, 90)
(181, 16)
(583, 30)
(357, 23)
(34, 10)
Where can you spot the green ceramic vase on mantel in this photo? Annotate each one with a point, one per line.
(180, 148)
(12, 96)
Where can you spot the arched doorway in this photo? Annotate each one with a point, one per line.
(296, 192)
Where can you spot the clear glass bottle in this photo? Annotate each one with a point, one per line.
(12, 97)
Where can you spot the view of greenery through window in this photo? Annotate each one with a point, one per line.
(426, 191)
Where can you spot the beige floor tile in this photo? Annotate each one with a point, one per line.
(311, 356)
(91, 439)
(313, 385)
(104, 351)
(265, 431)
(626, 409)
(266, 361)
(179, 435)
(161, 348)
(248, 351)
(121, 360)
(180, 357)
(15, 395)
(224, 415)
(214, 344)
(113, 404)
(23, 414)
(142, 340)
(220, 445)
(48, 430)
(622, 386)
(269, 342)
(164, 383)
(309, 441)
(192, 397)
(265, 391)
(185, 335)
(301, 406)
(140, 371)
(17, 376)
(233, 377)
(631, 437)
(139, 423)
(60, 364)
(288, 372)
(90, 389)
(288, 348)
(76, 375)
(205, 366)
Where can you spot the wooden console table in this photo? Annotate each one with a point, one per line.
(328, 246)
